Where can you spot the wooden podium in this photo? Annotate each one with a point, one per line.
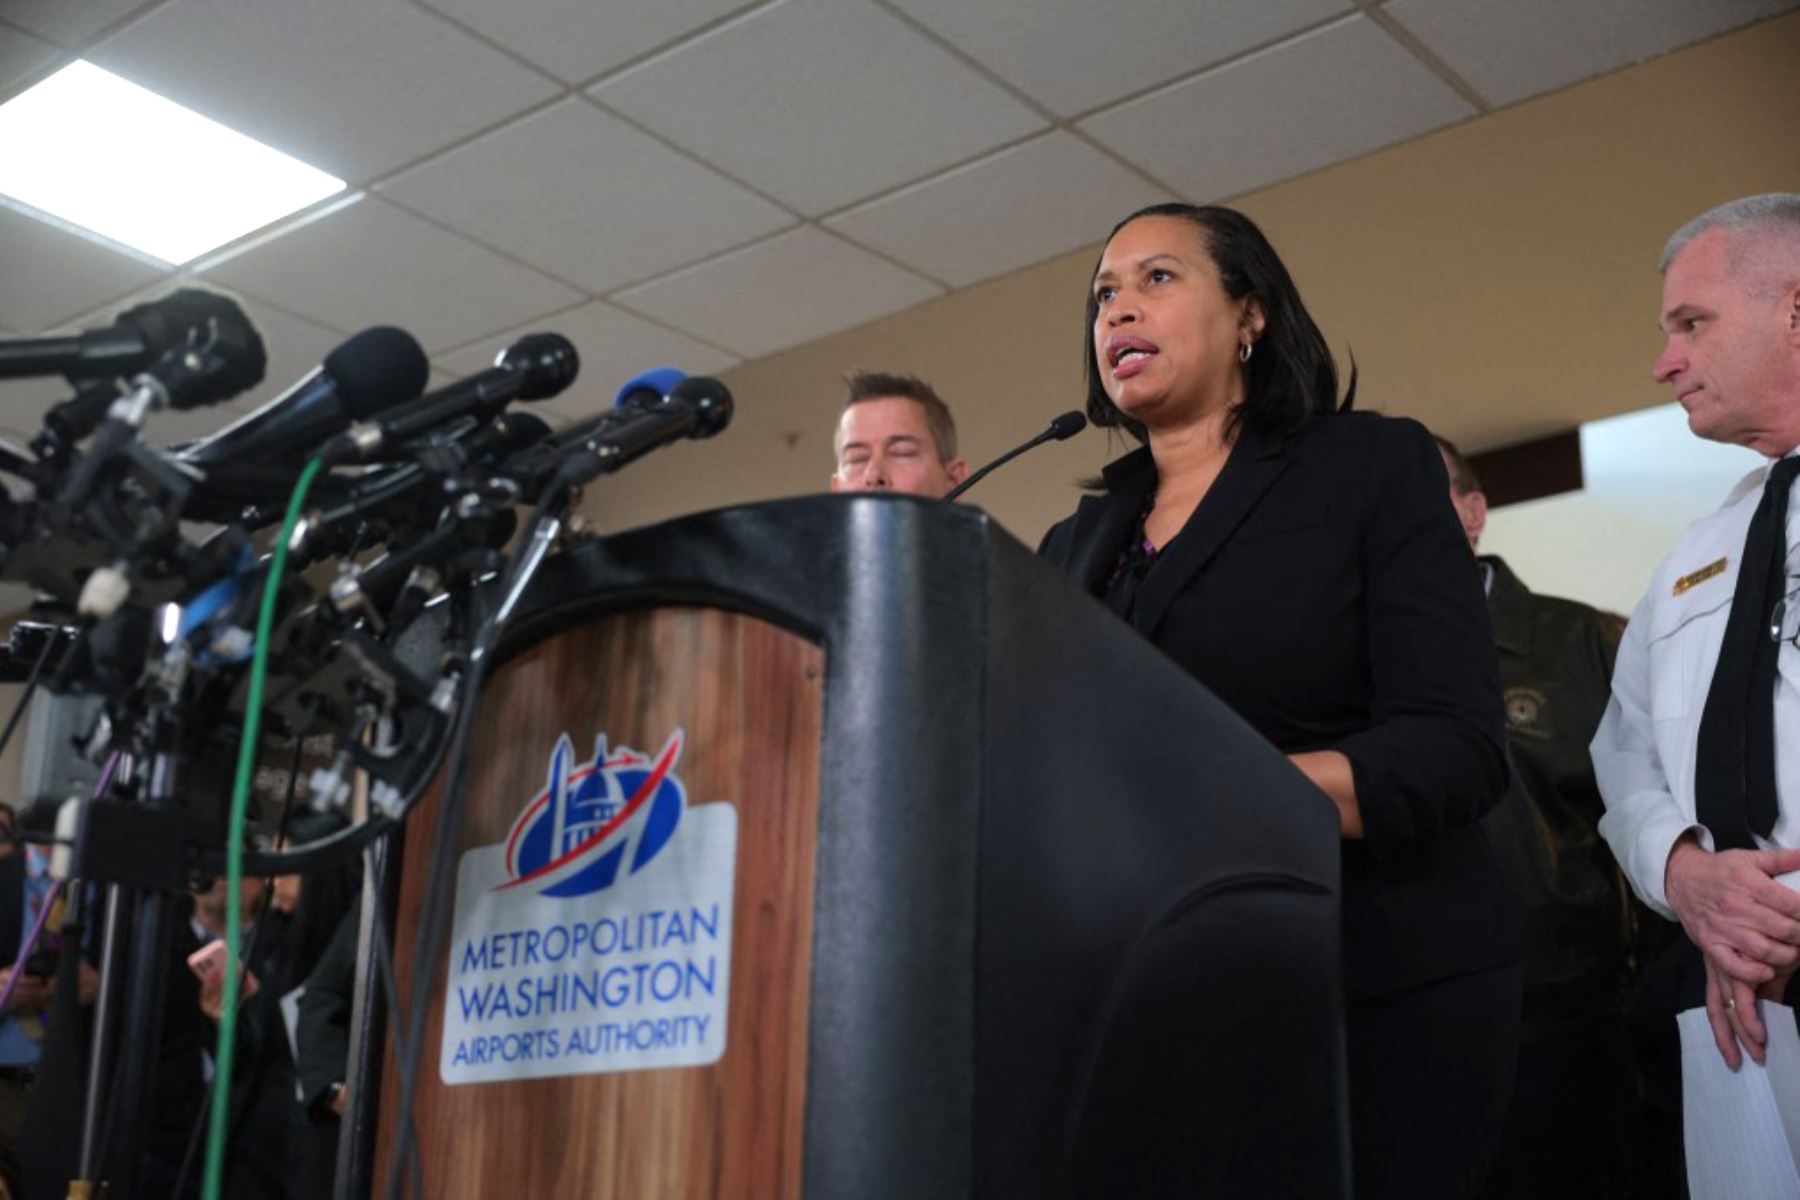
(1017, 909)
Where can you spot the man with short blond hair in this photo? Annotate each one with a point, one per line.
(895, 434)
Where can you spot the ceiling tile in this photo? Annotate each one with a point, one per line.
(607, 206)
(1074, 55)
(1323, 97)
(369, 263)
(23, 403)
(779, 293)
(67, 23)
(820, 103)
(51, 273)
(1522, 47)
(578, 39)
(976, 222)
(21, 56)
(354, 87)
(614, 346)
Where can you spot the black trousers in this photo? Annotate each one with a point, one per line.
(1431, 1074)
(1572, 1130)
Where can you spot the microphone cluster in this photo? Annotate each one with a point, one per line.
(153, 560)
(337, 564)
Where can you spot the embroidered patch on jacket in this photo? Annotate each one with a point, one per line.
(1701, 576)
(1525, 713)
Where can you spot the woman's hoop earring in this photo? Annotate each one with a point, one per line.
(1244, 350)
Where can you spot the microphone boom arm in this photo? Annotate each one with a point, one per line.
(1065, 426)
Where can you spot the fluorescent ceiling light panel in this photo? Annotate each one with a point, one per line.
(105, 154)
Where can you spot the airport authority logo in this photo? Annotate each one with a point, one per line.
(595, 822)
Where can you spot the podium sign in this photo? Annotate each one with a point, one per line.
(585, 1050)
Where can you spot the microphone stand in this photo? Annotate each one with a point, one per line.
(106, 1001)
(152, 945)
(1065, 426)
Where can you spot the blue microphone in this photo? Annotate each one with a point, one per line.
(648, 387)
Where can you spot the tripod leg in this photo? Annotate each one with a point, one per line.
(106, 1005)
(152, 945)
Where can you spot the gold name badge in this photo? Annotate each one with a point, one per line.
(1701, 576)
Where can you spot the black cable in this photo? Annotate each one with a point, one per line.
(335, 847)
(324, 852)
(31, 682)
(390, 988)
(447, 830)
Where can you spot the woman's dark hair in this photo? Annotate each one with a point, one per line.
(1292, 377)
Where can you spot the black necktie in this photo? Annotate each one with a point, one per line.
(1734, 766)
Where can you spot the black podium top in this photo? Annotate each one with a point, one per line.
(1076, 924)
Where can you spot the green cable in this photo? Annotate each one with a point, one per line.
(218, 1118)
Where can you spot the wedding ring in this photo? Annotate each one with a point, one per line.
(1731, 1002)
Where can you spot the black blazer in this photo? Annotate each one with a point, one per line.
(1323, 589)
(12, 906)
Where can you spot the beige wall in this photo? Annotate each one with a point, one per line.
(1497, 279)
(12, 758)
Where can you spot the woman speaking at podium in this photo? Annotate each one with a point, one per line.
(1303, 562)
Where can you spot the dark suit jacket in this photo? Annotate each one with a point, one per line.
(1323, 589)
(12, 906)
(324, 1028)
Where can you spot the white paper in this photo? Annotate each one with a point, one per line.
(1743, 1126)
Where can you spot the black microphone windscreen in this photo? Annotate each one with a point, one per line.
(164, 324)
(1068, 425)
(545, 362)
(233, 358)
(371, 372)
(238, 345)
(376, 369)
(711, 400)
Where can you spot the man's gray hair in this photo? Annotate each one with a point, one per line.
(1773, 213)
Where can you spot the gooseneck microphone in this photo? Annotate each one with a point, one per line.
(1062, 428)
(137, 338)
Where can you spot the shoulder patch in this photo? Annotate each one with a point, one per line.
(1527, 713)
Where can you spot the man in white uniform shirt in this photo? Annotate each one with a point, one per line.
(1698, 755)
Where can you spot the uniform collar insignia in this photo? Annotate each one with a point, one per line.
(1698, 577)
